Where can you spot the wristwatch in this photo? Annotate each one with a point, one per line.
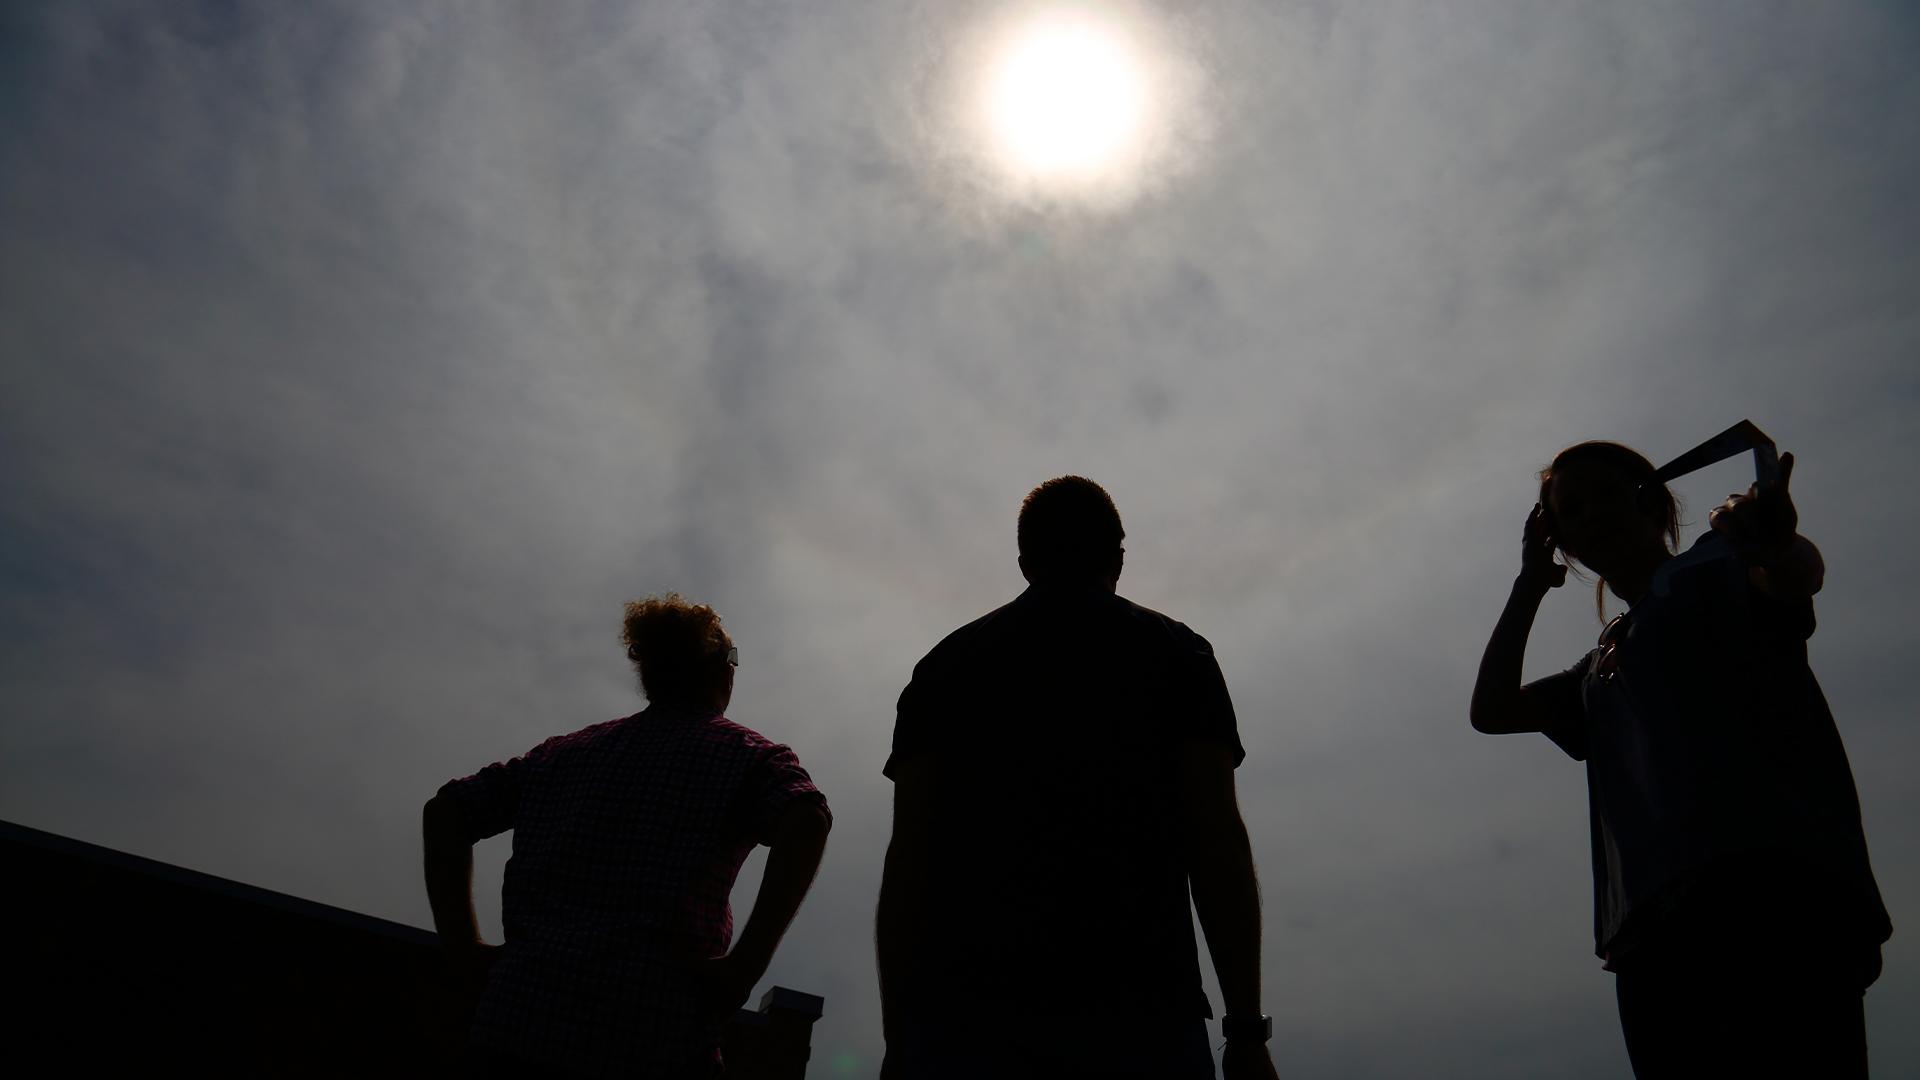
(1249, 1028)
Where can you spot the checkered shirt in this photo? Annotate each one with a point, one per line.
(627, 837)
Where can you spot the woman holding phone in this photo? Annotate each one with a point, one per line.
(1733, 898)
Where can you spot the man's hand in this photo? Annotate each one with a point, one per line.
(1538, 569)
(1759, 524)
(725, 982)
(1245, 1060)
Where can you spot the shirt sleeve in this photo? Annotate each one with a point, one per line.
(776, 780)
(1720, 581)
(1786, 619)
(489, 800)
(1206, 707)
(1564, 714)
(916, 718)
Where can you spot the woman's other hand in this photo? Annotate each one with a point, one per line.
(1761, 523)
(1762, 526)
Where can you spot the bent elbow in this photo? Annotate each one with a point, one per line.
(1498, 712)
(816, 815)
(441, 816)
(802, 823)
(819, 823)
(1488, 721)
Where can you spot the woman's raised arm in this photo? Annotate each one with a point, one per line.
(1501, 706)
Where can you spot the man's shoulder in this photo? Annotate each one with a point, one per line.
(1109, 617)
(1161, 625)
(972, 635)
(1011, 620)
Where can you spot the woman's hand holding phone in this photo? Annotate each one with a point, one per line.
(1761, 523)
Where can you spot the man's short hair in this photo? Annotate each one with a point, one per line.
(677, 646)
(1068, 526)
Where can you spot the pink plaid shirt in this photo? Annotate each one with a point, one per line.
(627, 837)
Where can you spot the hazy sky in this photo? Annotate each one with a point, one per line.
(357, 361)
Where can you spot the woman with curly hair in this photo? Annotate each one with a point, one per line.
(627, 836)
(1733, 898)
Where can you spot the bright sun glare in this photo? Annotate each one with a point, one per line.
(1065, 99)
(1075, 101)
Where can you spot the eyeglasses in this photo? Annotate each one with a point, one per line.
(731, 655)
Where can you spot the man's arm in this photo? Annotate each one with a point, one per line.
(449, 866)
(1220, 867)
(900, 923)
(1226, 893)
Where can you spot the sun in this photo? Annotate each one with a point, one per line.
(1074, 102)
(1065, 98)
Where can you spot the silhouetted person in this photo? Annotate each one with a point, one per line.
(1733, 898)
(627, 836)
(1063, 768)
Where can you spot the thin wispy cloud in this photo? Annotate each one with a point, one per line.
(356, 363)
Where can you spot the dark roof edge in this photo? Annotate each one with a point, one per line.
(11, 833)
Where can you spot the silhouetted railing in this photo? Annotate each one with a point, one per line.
(120, 961)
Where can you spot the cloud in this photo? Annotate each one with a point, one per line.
(355, 365)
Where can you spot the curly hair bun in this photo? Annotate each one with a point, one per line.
(670, 640)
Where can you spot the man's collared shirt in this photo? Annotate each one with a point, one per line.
(1051, 726)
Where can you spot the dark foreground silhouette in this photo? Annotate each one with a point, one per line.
(1063, 772)
(124, 965)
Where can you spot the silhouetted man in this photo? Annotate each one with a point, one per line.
(1063, 770)
(626, 839)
